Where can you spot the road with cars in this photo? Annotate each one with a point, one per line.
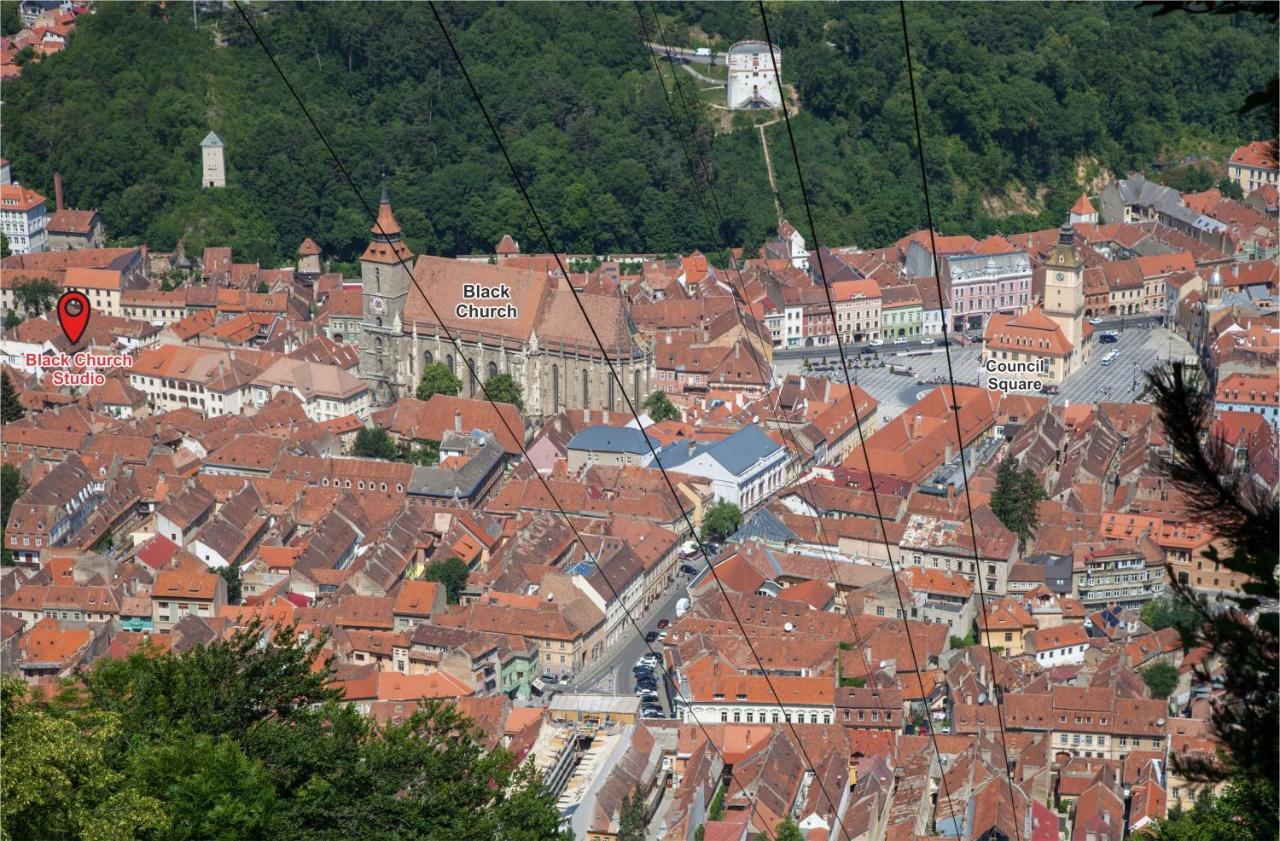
(613, 674)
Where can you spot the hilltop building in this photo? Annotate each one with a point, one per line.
(753, 83)
(214, 171)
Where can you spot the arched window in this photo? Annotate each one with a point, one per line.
(635, 387)
(585, 393)
(377, 280)
(555, 388)
(493, 370)
(611, 394)
(427, 358)
(474, 372)
(448, 360)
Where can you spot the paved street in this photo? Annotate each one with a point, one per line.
(1139, 347)
(613, 674)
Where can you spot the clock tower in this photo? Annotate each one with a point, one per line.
(385, 277)
(1064, 287)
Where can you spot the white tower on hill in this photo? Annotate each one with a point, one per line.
(214, 172)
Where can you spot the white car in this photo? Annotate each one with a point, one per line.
(926, 341)
(1095, 321)
(901, 340)
(876, 342)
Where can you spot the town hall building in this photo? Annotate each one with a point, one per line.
(1049, 341)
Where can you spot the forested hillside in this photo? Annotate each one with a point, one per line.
(1019, 102)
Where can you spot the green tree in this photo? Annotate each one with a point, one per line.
(632, 821)
(1245, 638)
(504, 389)
(263, 289)
(231, 574)
(58, 782)
(246, 737)
(4, 246)
(1171, 611)
(438, 379)
(659, 407)
(788, 830)
(1161, 679)
(721, 519)
(12, 486)
(452, 572)
(12, 319)
(1230, 189)
(1017, 493)
(375, 442)
(1242, 813)
(35, 296)
(10, 407)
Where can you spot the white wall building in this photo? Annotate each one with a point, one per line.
(213, 173)
(752, 80)
(744, 468)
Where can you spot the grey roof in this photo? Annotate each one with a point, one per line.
(466, 481)
(763, 524)
(613, 439)
(212, 139)
(736, 453)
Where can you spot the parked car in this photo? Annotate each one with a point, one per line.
(662, 623)
(869, 349)
(547, 677)
(662, 635)
(876, 342)
(1095, 321)
(901, 340)
(688, 570)
(651, 636)
(1108, 338)
(927, 340)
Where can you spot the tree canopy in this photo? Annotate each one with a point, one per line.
(721, 519)
(10, 407)
(504, 389)
(437, 379)
(1161, 679)
(375, 442)
(12, 486)
(452, 572)
(1019, 104)
(659, 407)
(244, 738)
(1018, 491)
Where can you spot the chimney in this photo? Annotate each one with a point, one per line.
(57, 191)
(457, 420)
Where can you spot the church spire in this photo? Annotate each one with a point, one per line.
(387, 229)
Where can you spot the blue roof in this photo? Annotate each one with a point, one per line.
(582, 568)
(736, 453)
(613, 439)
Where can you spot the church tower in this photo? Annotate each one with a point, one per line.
(1064, 287)
(385, 277)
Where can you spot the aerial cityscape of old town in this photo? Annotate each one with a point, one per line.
(699, 421)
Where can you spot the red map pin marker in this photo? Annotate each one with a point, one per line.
(73, 314)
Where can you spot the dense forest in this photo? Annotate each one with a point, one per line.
(1021, 105)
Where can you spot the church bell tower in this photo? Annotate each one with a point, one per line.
(385, 277)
